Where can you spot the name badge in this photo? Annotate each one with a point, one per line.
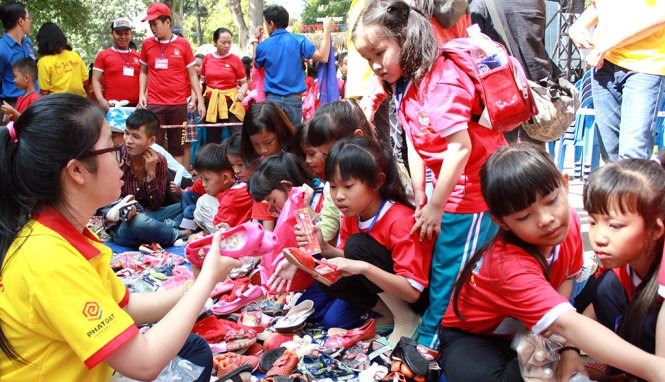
(161, 63)
(128, 71)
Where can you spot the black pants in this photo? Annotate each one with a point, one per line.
(470, 357)
(214, 133)
(357, 289)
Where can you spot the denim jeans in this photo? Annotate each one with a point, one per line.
(188, 203)
(627, 104)
(150, 227)
(291, 105)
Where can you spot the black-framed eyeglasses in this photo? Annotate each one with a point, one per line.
(116, 149)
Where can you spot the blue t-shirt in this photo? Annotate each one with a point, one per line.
(10, 52)
(281, 55)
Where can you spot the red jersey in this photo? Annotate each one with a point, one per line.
(235, 206)
(167, 61)
(509, 282)
(197, 187)
(440, 106)
(392, 229)
(222, 72)
(120, 69)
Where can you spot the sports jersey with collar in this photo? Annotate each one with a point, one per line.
(169, 86)
(440, 106)
(510, 283)
(61, 303)
(392, 229)
(116, 66)
(222, 72)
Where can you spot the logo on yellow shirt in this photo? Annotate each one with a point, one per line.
(91, 311)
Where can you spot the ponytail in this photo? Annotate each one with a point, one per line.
(50, 132)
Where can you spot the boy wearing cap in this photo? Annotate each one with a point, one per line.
(115, 73)
(167, 74)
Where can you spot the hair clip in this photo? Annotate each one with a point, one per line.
(12, 131)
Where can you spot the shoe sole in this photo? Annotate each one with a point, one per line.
(318, 277)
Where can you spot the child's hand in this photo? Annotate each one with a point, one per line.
(428, 221)
(570, 364)
(223, 226)
(348, 267)
(303, 238)
(280, 281)
(5, 118)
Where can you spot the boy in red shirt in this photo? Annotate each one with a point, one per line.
(226, 202)
(25, 74)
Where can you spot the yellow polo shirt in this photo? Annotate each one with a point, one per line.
(61, 304)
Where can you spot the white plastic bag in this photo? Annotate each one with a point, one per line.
(177, 370)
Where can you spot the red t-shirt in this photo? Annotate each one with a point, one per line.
(440, 106)
(260, 212)
(222, 72)
(508, 282)
(168, 81)
(120, 70)
(197, 187)
(25, 100)
(392, 230)
(235, 206)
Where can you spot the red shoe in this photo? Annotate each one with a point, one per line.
(350, 337)
(324, 272)
(228, 362)
(284, 365)
(247, 239)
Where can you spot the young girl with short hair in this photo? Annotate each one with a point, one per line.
(379, 255)
(435, 104)
(525, 273)
(625, 200)
(266, 130)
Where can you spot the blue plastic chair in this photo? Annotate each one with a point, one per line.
(582, 134)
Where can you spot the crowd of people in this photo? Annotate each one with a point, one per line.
(493, 247)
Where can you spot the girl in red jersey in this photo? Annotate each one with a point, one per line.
(435, 104)
(625, 200)
(525, 273)
(385, 265)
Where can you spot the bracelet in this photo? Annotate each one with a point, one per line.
(573, 348)
(186, 286)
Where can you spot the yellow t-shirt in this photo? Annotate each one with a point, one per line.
(646, 55)
(62, 73)
(61, 304)
(357, 80)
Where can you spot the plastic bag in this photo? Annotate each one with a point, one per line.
(178, 369)
(286, 238)
(538, 357)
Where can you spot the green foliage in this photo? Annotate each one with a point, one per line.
(87, 23)
(320, 8)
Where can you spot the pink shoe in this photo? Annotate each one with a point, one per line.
(253, 293)
(247, 239)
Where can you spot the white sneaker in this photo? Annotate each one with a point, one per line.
(121, 209)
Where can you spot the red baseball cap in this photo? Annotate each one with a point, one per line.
(156, 10)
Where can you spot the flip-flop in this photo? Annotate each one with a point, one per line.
(236, 375)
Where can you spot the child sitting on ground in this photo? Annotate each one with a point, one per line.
(226, 200)
(25, 75)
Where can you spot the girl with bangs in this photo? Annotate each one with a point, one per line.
(384, 266)
(626, 205)
(525, 274)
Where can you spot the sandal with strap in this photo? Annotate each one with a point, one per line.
(324, 272)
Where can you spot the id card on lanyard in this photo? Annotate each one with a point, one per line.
(163, 62)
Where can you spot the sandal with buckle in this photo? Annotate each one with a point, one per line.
(322, 271)
(247, 239)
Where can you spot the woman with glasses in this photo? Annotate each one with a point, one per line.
(64, 314)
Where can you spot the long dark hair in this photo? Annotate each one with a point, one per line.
(512, 179)
(51, 40)
(275, 168)
(633, 186)
(409, 27)
(362, 158)
(265, 116)
(50, 132)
